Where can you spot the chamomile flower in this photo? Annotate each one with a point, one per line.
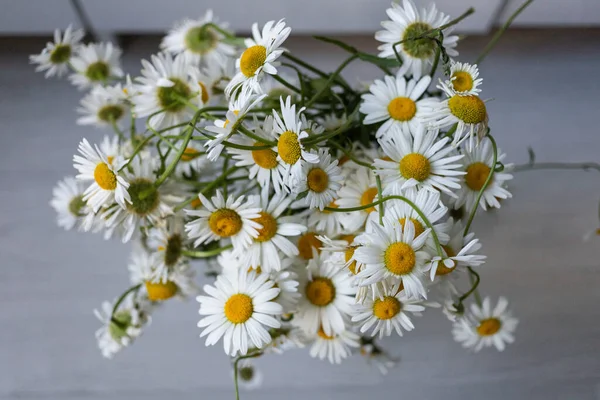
(107, 184)
(327, 297)
(260, 56)
(419, 161)
(212, 79)
(464, 79)
(331, 122)
(359, 191)
(321, 180)
(95, 64)
(104, 106)
(55, 57)
(330, 222)
(407, 22)
(193, 160)
(166, 242)
(239, 308)
(262, 163)
(272, 236)
(486, 327)
(67, 201)
(477, 164)
(374, 355)
(387, 313)
(200, 42)
(393, 252)
(395, 102)
(335, 346)
(286, 338)
(287, 282)
(220, 218)
(238, 108)
(164, 89)
(343, 252)
(308, 244)
(290, 150)
(249, 377)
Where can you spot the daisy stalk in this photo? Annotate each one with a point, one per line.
(132, 289)
(257, 353)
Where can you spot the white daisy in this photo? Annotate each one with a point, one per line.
(200, 43)
(420, 161)
(56, 56)
(395, 102)
(212, 79)
(105, 106)
(327, 297)
(260, 56)
(67, 201)
(95, 64)
(359, 191)
(287, 282)
(286, 338)
(240, 309)
(272, 236)
(486, 327)
(238, 108)
(290, 150)
(391, 251)
(321, 181)
(378, 357)
(192, 161)
(221, 218)
(249, 377)
(308, 243)
(343, 252)
(335, 347)
(330, 223)
(464, 79)
(477, 165)
(166, 242)
(407, 22)
(166, 90)
(387, 313)
(108, 185)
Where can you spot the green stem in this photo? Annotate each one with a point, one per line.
(350, 155)
(305, 64)
(332, 77)
(259, 139)
(139, 148)
(235, 371)
(205, 254)
(208, 187)
(475, 283)
(380, 197)
(286, 84)
(121, 298)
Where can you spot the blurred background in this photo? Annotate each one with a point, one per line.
(542, 84)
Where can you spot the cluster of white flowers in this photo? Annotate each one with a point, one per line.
(330, 215)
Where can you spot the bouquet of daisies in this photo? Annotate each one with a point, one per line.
(320, 214)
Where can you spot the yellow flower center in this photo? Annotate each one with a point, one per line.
(441, 268)
(348, 256)
(320, 291)
(415, 165)
(204, 92)
(399, 258)
(252, 59)
(239, 308)
(161, 291)
(367, 198)
(347, 238)
(306, 244)
(189, 154)
(265, 158)
(104, 177)
(288, 147)
(419, 228)
(196, 203)
(269, 227)
(462, 81)
(225, 222)
(317, 180)
(488, 327)
(387, 308)
(321, 333)
(402, 109)
(469, 109)
(476, 176)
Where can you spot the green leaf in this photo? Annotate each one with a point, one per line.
(302, 195)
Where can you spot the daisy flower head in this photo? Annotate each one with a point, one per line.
(321, 180)
(67, 201)
(95, 64)
(308, 245)
(262, 163)
(273, 234)
(165, 89)
(249, 377)
(464, 79)
(56, 56)
(393, 252)
(260, 56)
(104, 106)
(244, 101)
(289, 132)
(486, 327)
(327, 297)
(240, 309)
(477, 163)
(359, 191)
(387, 313)
(342, 252)
(166, 242)
(395, 102)
(286, 338)
(407, 22)
(335, 347)
(200, 42)
(212, 79)
(107, 183)
(192, 161)
(420, 161)
(330, 222)
(224, 218)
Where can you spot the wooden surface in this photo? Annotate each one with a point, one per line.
(543, 90)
